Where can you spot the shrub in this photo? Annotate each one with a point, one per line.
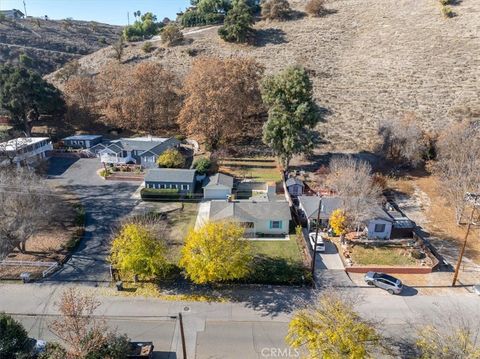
(105, 173)
(13, 337)
(315, 7)
(172, 35)
(171, 158)
(202, 165)
(276, 10)
(53, 351)
(181, 138)
(237, 24)
(152, 193)
(147, 47)
(417, 254)
(447, 11)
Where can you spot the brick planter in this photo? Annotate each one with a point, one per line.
(390, 270)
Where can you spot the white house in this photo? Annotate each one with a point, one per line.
(295, 186)
(377, 226)
(258, 218)
(218, 186)
(25, 151)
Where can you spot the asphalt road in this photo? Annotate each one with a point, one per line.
(105, 202)
(251, 328)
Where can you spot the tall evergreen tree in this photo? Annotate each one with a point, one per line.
(237, 25)
(25, 95)
(292, 114)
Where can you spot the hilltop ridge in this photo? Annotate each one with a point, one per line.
(369, 61)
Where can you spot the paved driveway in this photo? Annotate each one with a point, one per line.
(105, 202)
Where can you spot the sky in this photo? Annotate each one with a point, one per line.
(108, 11)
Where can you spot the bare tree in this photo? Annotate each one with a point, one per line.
(27, 208)
(352, 180)
(458, 163)
(403, 140)
(85, 335)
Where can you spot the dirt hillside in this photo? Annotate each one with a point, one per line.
(370, 60)
(52, 43)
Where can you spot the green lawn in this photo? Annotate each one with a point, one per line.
(384, 255)
(178, 224)
(278, 262)
(259, 169)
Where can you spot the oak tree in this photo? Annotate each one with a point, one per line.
(222, 100)
(26, 96)
(144, 97)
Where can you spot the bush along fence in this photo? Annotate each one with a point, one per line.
(151, 194)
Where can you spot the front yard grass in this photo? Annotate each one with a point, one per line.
(277, 262)
(384, 255)
(178, 224)
(259, 169)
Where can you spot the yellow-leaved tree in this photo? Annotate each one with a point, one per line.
(216, 252)
(338, 221)
(135, 251)
(330, 328)
(171, 158)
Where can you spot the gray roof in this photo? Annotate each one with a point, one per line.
(170, 175)
(310, 205)
(330, 204)
(218, 180)
(82, 137)
(293, 180)
(249, 211)
(155, 145)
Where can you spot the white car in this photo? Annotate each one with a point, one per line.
(320, 241)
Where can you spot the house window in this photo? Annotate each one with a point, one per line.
(379, 228)
(162, 186)
(174, 186)
(185, 186)
(275, 224)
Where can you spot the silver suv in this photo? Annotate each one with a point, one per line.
(381, 280)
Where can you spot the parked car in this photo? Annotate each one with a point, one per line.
(381, 280)
(140, 350)
(320, 241)
(476, 289)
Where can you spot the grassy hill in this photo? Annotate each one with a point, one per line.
(52, 43)
(370, 60)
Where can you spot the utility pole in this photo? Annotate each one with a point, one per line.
(25, 8)
(128, 18)
(316, 241)
(462, 252)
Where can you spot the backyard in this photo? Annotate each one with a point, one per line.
(262, 169)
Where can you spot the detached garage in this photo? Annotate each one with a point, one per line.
(218, 186)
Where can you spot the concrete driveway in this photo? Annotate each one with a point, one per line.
(105, 202)
(203, 213)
